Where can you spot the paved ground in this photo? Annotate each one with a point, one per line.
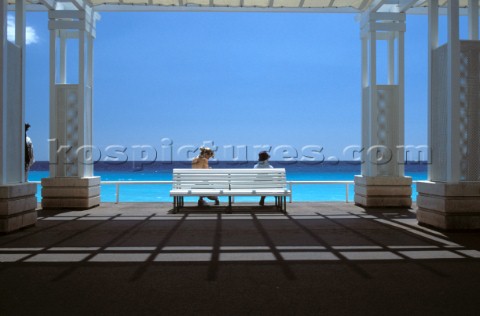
(320, 259)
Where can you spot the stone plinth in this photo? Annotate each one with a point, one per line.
(383, 191)
(70, 193)
(449, 205)
(18, 206)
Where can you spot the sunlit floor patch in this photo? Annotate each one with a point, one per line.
(73, 249)
(95, 218)
(320, 256)
(58, 257)
(165, 218)
(238, 217)
(131, 218)
(183, 257)
(370, 255)
(201, 218)
(471, 253)
(12, 257)
(21, 249)
(299, 217)
(187, 248)
(247, 256)
(271, 217)
(431, 254)
(356, 247)
(59, 218)
(301, 248)
(120, 257)
(130, 248)
(413, 247)
(419, 233)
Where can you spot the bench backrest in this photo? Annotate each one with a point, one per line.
(229, 178)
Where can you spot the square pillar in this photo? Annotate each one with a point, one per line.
(71, 183)
(17, 198)
(451, 198)
(382, 182)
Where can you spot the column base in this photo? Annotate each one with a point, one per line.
(383, 191)
(449, 206)
(70, 193)
(18, 206)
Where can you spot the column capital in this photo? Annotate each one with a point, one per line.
(73, 18)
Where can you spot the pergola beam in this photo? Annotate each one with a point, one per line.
(79, 4)
(50, 4)
(404, 5)
(391, 5)
(377, 4)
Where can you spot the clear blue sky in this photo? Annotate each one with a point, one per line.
(232, 78)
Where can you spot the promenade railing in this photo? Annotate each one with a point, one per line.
(291, 185)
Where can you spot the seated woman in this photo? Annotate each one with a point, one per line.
(263, 157)
(201, 162)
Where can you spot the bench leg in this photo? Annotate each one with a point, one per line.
(175, 201)
(281, 203)
(229, 208)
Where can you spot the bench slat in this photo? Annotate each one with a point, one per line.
(226, 170)
(236, 192)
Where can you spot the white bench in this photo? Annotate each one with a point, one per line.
(230, 182)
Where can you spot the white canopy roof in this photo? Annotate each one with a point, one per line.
(337, 6)
(356, 4)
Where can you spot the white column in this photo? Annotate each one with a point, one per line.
(372, 110)
(473, 20)
(71, 103)
(82, 122)
(3, 92)
(12, 93)
(89, 101)
(20, 26)
(391, 58)
(63, 56)
(71, 183)
(451, 197)
(382, 182)
(53, 109)
(432, 45)
(365, 105)
(17, 197)
(400, 154)
(453, 92)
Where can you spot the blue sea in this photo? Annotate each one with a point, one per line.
(160, 171)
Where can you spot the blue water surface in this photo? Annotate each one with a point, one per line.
(342, 171)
